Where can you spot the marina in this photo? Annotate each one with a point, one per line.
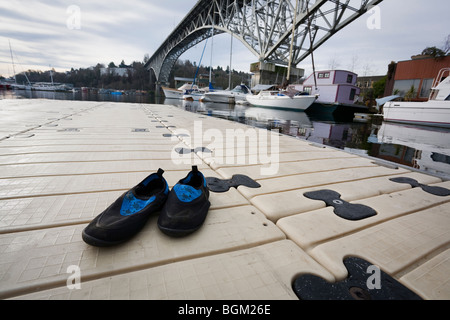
(63, 162)
(165, 179)
(418, 147)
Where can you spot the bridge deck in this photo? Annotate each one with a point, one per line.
(63, 162)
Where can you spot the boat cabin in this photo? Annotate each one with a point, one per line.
(333, 86)
(441, 87)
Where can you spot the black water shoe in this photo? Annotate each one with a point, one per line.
(186, 207)
(129, 213)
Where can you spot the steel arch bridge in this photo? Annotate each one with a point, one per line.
(263, 26)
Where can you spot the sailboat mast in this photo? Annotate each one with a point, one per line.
(311, 48)
(294, 23)
(212, 50)
(12, 60)
(199, 64)
(231, 60)
(51, 74)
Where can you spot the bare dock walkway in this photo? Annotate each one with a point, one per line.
(64, 162)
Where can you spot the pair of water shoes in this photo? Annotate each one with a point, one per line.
(182, 210)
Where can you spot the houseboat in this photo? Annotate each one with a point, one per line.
(338, 93)
(334, 87)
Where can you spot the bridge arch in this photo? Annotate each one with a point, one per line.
(164, 64)
(263, 26)
(163, 68)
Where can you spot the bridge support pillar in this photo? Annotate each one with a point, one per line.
(155, 85)
(158, 89)
(270, 73)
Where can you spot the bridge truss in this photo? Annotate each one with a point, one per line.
(263, 26)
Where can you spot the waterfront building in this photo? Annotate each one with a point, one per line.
(414, 78)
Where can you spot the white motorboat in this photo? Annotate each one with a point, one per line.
(193, 94)
(435, 112)
(289, 99)
(282, 100)
(49, 86)
(227, 96)
(172, 93)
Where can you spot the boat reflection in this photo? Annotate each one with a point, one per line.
(424, 148)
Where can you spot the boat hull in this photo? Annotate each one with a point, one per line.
(238, 94)
(223, 97)
(217, 98)
(431, 113)
(193, 96)
(173, 93)
(300, 103)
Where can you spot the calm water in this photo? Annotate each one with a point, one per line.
(425, 149)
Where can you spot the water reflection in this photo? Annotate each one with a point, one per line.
(77, 96)
(427, 149)
(424, 148)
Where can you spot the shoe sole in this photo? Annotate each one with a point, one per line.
(98, 242)
(178, 233)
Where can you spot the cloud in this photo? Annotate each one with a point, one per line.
(406, 29)
(115, 30)
(107, 31)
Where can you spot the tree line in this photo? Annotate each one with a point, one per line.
(220, 76)
(136, 77)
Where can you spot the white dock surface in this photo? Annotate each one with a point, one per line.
(63, 162)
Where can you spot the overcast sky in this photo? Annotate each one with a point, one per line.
(76, 34)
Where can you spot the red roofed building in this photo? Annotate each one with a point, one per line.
(419, 72)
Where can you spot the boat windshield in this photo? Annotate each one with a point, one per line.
(241, 88)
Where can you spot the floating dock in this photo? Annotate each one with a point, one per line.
(63, 162)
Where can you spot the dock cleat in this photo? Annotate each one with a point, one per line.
(186, 207)
(129, 213)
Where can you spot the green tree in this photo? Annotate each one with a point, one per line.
(122, 64)
(434, 52)
(378, 87)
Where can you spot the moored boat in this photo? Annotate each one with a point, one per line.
(47, 86)
(435, 112)
(238, 94)
(5, 86)
(171, 93)
(194, 94)
(287, 99)
(179, 93)
(335, 87)
(282, 100)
